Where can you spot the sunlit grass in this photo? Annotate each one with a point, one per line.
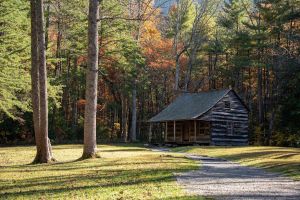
(122, 172)
(276, 159)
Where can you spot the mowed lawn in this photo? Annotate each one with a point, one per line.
(122, 172)
(277, 159)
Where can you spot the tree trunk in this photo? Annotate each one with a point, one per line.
(260, 81)
(214, 66)
(47, 25)
(134, 111)
(209, 70)
(133, 118)
(46, 152)
(35, 79)
(259, 95)
(177, 66)
(58, 43)
(124, 118)
(74, 98)
(189, 69)
(90, 146)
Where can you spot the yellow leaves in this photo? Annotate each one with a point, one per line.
(150, 31)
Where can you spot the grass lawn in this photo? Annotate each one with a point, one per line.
(122, 172)
(276, 159)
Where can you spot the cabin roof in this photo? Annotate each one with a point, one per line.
(190, 105)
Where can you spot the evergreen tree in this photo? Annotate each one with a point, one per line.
(14, 58)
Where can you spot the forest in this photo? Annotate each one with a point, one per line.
(137, 56)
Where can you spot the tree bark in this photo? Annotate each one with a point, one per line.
(90, 146)
(45, 146)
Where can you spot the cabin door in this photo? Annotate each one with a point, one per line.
(186, 130)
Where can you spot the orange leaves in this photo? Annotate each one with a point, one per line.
(156, 49)
(81, 104)
(158, 53)
(81, 59)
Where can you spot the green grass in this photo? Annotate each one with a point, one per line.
(122, 172)
(276, 159)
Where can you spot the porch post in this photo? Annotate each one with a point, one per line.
(150, 133)
(166, 132)
(195, 130)
(174, 131)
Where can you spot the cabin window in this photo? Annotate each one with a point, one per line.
(227, 105)
(230, 128)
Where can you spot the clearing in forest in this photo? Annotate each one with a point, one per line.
(122, 172)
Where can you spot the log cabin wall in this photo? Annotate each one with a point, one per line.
(203, 132)
(229, 121)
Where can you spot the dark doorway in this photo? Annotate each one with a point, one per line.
(186, 130)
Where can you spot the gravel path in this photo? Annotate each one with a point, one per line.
(222, 179)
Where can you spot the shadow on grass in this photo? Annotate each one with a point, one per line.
(92, 180)
(20, 168)
(88, 176)
(122, 150)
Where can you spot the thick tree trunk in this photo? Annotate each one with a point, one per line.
(35, 79)
(90, 146)
(46, 152)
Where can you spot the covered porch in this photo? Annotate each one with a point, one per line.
(186, 132)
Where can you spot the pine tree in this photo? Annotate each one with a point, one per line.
(14, 53)
(237, 41)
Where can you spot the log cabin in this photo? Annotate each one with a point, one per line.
(217, 117)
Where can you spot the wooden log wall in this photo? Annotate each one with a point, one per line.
(229, 126)
(202, 132)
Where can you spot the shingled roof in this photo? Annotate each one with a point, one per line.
(190, 106)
